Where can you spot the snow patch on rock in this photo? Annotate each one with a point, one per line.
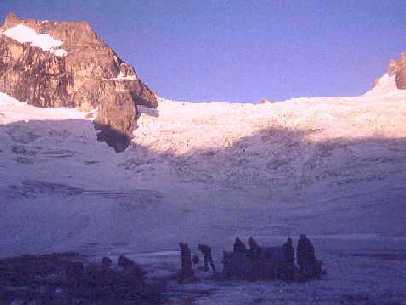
(46, 42)
(122, 76)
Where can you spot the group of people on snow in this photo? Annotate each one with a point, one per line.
(256, 257)
(305, 253)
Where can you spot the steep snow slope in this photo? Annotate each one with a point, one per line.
(203, 171)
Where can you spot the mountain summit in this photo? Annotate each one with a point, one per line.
(65, 64)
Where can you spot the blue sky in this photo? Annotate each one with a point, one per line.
(242, 50)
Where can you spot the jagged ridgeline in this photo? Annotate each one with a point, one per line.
(65, 64)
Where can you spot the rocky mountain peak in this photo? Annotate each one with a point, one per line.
(72, 33)
(65, 64)
(398, 68)
(393, 81)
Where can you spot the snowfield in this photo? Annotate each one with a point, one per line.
(334, 168)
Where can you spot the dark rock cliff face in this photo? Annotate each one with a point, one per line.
(34, 76)
(115, 115)
(90, 75)
(398, 67)
(401, 78)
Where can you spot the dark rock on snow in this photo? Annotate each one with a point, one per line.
(68, 278)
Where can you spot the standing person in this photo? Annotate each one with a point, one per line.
(287, 268)
(305, 252)
(254, 249)
(239, 246)
(186, 261)
(289, 252)
(208, 259)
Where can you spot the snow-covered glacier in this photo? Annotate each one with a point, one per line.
(332, 167)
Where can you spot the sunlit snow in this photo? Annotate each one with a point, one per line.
(333, 168)
(46, 42)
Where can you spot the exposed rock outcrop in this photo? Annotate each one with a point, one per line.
(79, 70)
(398, 68)
(401, 76)
(115, 117)
(34, 76)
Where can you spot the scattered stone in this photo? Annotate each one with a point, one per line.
(68, 278)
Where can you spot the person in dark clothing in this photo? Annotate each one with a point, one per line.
(130, 266)
(186, 261)
(195, 260)
(254, 249)
(124, 262)
(107, 262)
(287, 268)
(239, 246)
(305, 252)
(208, 259)
(289, 251)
